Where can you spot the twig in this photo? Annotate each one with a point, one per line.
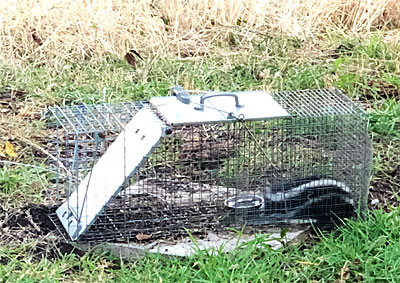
(30, 219)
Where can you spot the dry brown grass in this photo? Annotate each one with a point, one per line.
(42, 30)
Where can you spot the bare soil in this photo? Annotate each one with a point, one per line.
(32, 223)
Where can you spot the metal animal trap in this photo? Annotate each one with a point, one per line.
(209, 161)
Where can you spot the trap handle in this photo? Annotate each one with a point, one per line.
(213, 94)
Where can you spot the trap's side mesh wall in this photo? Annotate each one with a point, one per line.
(187, 180)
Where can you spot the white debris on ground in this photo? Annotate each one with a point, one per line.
(374, 201)
(214, 242)
(186, 247)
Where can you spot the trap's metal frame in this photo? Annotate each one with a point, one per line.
(204, 162)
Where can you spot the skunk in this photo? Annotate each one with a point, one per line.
(311, 199)
(307, 200)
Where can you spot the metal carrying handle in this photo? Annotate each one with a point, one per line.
(184, 97)
(213, 94)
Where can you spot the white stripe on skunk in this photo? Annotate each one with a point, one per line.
(291, 193)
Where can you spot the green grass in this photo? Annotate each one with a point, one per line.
(358, 251)
(19, 184)
(366, 69)
(385, 121)
(111, 79)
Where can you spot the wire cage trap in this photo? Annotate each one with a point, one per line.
(208, 161)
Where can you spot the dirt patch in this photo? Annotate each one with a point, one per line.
(40, 215)
(384, 192)
(385, 184)
(12, 101)
(32, 223)
(384, 90)
(53, 251)
(33, 217)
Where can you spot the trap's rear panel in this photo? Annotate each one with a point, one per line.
(312, 165)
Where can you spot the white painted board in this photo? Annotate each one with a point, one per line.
(108, 175)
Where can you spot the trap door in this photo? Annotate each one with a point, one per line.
(112, 170)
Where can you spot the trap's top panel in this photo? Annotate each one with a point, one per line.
(219, 107)
(83, 118)
(317, 103)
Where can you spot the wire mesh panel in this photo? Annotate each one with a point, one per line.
(311, 166)
(83, 133)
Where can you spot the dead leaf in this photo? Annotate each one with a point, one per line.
(136, 53)
(266, 73)
(36, 37)
(143, 237)
(131, 59)
(10, 149)
(344, 274)
(234, 266)
(306, 262)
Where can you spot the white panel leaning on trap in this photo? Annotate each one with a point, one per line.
(108, 175)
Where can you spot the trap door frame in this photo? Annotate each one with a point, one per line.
(108, 176)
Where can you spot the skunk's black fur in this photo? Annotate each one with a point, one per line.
(311, 199)
(322, 201)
